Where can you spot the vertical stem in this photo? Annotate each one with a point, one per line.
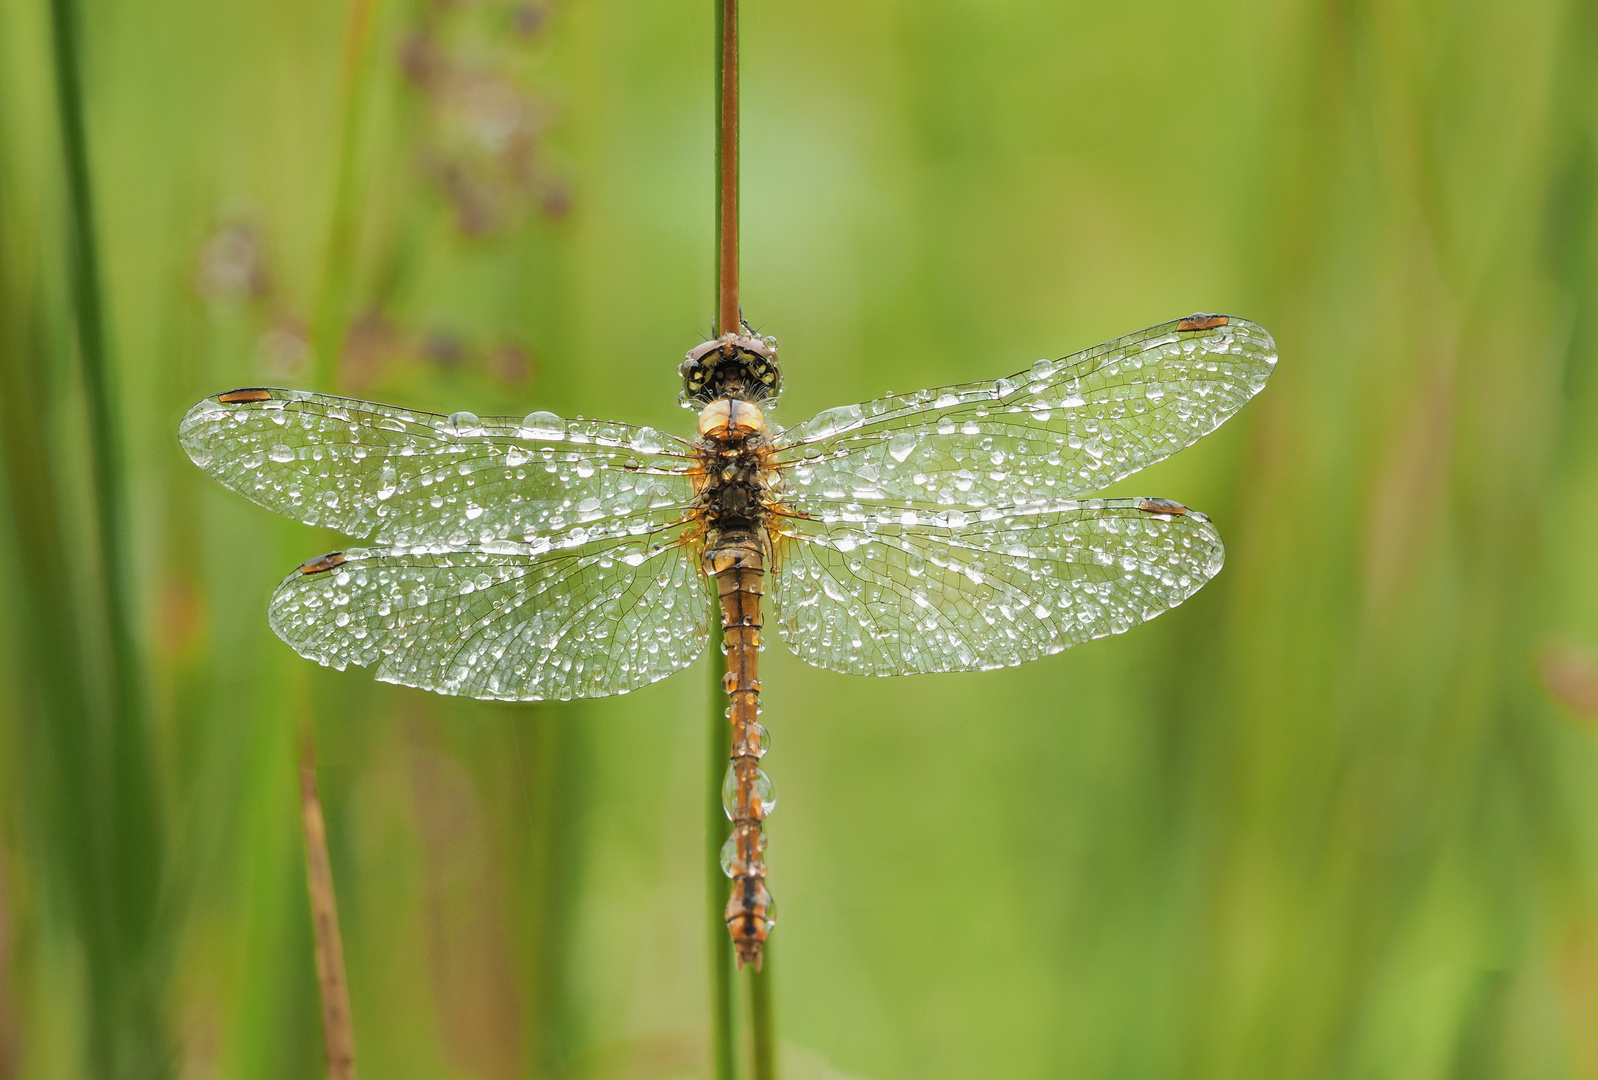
(720, 736)
(327, 332)
(727, 313)
(720, 744)
(105, 443)
(728, 320)
(123, 843)
(762, 1030)
(337, 1027)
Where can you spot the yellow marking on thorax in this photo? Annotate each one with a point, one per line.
(729, 419)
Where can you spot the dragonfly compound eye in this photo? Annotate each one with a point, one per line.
(733, 365)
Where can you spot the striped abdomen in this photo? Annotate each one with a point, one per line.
(739, 567)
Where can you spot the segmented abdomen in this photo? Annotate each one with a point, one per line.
(739, 568)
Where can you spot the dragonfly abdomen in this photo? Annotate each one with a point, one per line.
(738, 566)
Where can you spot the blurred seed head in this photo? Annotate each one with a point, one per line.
(232, 265)
(1570, 675)
(482, 140)
(529, 19)
(420, 61)
(370, 347)
(510, 363)
(181, 617)
(444, 348)
(283, 353)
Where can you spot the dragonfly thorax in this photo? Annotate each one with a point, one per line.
(732, 366)
(730, 420)
(733, 496)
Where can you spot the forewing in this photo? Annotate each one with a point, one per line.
(404, 477)
(1062, 429)
(907, 595)
(512, 621)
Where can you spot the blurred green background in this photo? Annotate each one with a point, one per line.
(1335, 817)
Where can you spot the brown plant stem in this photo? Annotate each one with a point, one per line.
(727, 312)
(722, 1038)
(337, 1027)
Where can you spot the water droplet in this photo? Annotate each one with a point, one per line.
(831, 421)
(388, 482)
(1003, 388)
(281, 453)
(1042, 369)
(731, 863)
(543, 425)
(901, 446)
(647, 441)
(765, 791)
(463, 423)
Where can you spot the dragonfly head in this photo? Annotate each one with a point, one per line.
(738, 366)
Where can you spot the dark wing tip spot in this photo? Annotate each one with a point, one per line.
(322, 563)
(252, 393)
(1161, 506)
(1203, 322)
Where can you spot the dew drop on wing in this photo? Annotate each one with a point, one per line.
(543, 425)
(463, 423)
(647, 441)
(832, 421)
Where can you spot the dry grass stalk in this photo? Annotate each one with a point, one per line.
(337, 1026)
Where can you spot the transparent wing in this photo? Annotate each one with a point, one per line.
(405, 477)
(518, 622)
(1062, 429)
(900, 593)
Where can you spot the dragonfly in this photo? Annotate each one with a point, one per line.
(542, 558)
